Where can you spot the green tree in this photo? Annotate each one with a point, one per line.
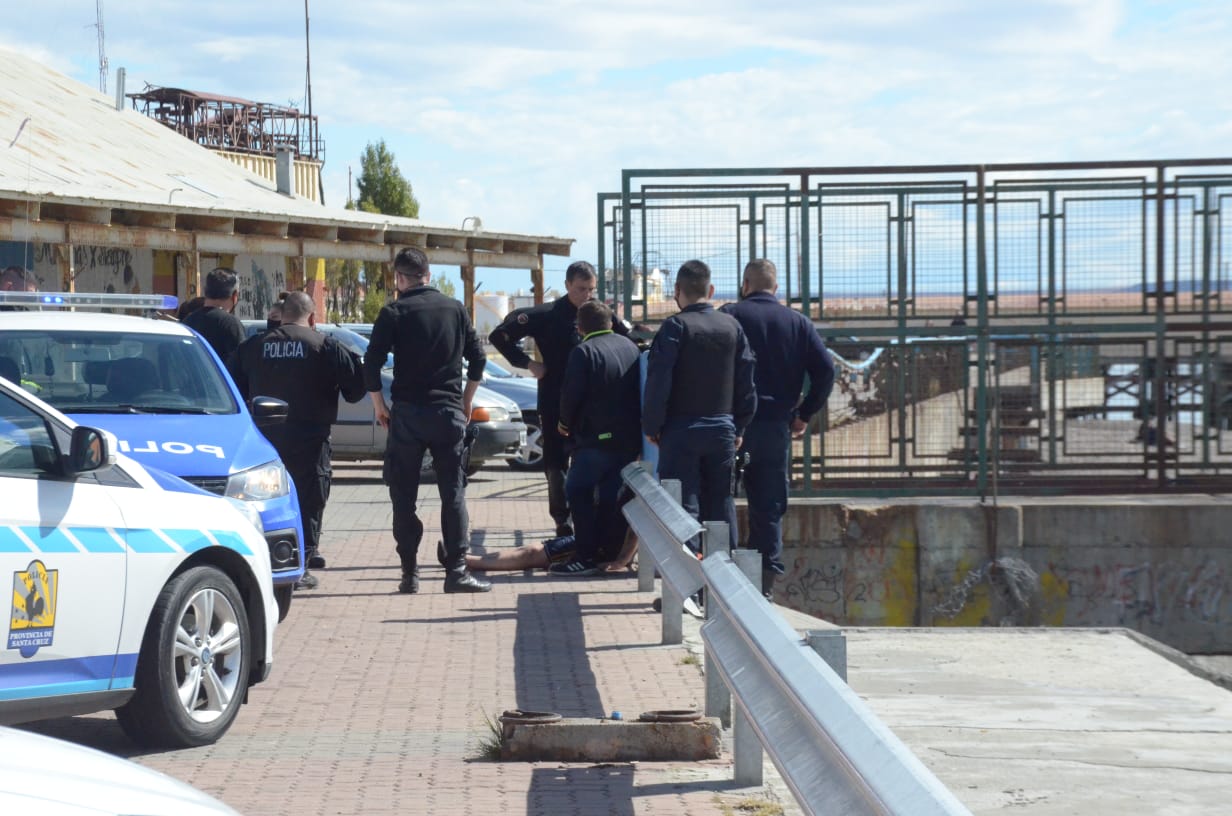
(382, 187)
(445, 285)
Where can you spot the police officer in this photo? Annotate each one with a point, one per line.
(215, 320)
(553, 328)
(787, 347)
(599, 412)
(699, 397)
(429, 334)
(307, 369)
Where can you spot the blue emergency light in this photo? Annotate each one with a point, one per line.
(96, 300)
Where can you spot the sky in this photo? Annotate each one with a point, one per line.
(521, 112)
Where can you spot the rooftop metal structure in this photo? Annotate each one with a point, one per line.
(75, 170)
(230, 123)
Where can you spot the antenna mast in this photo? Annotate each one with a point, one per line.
(102, 52)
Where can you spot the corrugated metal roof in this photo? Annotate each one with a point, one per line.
(63, 143)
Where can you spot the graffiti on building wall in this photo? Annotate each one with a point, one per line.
(262, 279)
(1135, 594)
(98, 269)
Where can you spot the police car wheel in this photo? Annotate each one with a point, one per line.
(282, 594)
(530, 457)
(192, 673)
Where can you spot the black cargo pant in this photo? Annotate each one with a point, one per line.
(440, 430)
(555, 466)
(305, 452)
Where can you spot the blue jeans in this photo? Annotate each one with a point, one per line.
(701, 452)
(592, 486)
(768, 443)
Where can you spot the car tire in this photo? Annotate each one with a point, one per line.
(181, 653)
(530, 457)
(282, 594)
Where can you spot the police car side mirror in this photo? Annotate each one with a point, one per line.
(267, 411)
(90, 449)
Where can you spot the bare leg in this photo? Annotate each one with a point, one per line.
(528, 556)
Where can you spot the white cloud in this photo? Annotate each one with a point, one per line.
(521, 112)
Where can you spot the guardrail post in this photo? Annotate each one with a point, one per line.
(831, 646)
(747, 756)
(717, 538)
(672, 604)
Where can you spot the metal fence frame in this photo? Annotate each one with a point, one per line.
(1176, 216)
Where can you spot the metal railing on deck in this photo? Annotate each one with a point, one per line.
(832, 751)
(1091, 308)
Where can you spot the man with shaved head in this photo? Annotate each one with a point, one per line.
(787, 348)
(296, 363)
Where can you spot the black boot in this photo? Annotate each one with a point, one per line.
(459, 580)
(440, 553)
(767, 584)
(315, 560)
(410, 581)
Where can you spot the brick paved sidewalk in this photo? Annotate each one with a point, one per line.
(377, 702)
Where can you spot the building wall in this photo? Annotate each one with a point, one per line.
(1158, 565)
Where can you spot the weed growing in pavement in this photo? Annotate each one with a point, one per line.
(690, 660)
(490, 742)
(752, 807)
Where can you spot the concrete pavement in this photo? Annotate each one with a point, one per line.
(378, 701)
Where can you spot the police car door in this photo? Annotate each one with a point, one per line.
(62, 553)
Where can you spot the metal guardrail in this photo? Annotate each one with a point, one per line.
(832, 751)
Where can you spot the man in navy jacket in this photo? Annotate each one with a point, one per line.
(787, 347)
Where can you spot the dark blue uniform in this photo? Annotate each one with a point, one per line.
(787, 347)
(553, 328)
(599, 410)
(699, 397)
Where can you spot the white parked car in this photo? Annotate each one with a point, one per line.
(131, 589)
(42, 775)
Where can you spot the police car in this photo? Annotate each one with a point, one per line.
(131, 589)
(159, 387)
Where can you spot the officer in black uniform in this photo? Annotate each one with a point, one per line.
(699, 397)
(787, 347)
(600, 413)
(553, 328)
(307, 369)
(429, 334)
(215, 319)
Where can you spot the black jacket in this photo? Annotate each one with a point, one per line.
(302, 366)
(221, 329)
(429, 334)
(600, 399)
(553, 328)
(787, 347)
(699, 365)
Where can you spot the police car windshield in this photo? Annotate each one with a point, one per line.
(119, 372)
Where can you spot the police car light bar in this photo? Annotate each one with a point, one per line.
(97, 300)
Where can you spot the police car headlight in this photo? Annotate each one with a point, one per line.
(249, 512)
(264, 482)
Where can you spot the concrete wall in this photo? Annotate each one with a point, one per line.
(1159, 565)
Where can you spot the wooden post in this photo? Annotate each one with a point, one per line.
(536, 282)
(314, 284)
(188, 275)
(468, 290)
(164, 273)
(64, 266)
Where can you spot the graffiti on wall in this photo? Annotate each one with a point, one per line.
(1136, 594)
(98, 269)
(857, 585)
(262, 279)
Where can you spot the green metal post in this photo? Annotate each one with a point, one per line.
(904, 358)
(981, 342)
(803, 265)
(1209, 361)
(1161, 330)
(602, 264)
(1054, 350)
(626, 246)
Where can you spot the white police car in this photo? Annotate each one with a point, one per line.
(131, 589)
(159, 387)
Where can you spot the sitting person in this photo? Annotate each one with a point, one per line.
(128, 378)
